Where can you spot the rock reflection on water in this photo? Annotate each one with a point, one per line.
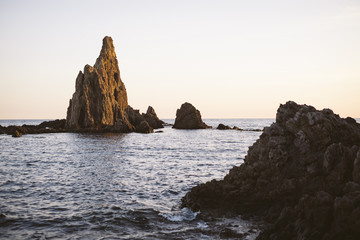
(115, 186)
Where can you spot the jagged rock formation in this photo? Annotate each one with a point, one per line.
(188, 117)
(152, 118)
(302, 176)
(100, 98)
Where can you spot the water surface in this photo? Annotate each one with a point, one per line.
(116, 186)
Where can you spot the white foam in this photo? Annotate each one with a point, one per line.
(184, 215)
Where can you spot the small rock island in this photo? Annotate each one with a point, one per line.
(100, 100)
(302, 177)
(99, 103)
(188, 117)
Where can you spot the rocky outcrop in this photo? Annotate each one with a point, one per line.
(223, 127)
(302, 176)
(54, 126)
(100, 99)
(152, 118)
(99, 103)
(188, 117)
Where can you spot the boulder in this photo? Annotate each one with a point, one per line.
(188, 117)
(223, 127)
(302, 176)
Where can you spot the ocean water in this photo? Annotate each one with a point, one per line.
(117, 186)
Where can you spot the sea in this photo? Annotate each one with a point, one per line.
(118, 186)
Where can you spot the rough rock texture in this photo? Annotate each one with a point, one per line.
(302, 176)
(188, 117)
(100, 99)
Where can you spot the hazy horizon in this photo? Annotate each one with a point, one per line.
(230, 59)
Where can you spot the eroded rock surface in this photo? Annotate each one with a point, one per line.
(100, 99)
(188, 117)
(302, 176)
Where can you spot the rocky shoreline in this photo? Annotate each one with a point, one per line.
(302, 177)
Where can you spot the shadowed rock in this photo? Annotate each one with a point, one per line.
(302, 176)
(188, 117)
(152, 118)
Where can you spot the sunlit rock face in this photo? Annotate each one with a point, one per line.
(100, 98)
(302, 176)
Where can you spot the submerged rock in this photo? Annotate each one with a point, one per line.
(302, 176)
(100, 100)
(188, 117)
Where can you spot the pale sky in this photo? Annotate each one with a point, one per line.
(230, 59)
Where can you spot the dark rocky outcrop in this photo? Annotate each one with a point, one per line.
(188, 117)
(152, 118)
(100, 99)
(226, 127)
(144, 127)
(223, 127)
(45, 127)
(302, 176)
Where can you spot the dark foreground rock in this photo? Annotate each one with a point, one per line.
(100, 100)
(188, 117)
(302, 176)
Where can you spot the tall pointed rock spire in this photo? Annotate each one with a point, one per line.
(100, 98)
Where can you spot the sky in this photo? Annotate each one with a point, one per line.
(230, 59)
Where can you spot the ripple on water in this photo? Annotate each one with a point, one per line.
(115, 186)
